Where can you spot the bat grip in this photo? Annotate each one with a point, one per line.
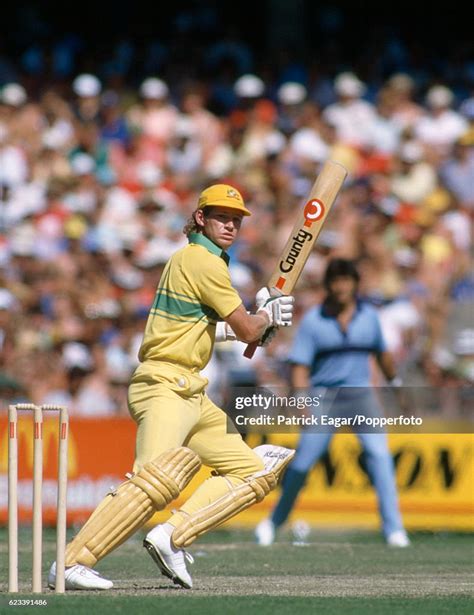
(252, 347)
(250, 350)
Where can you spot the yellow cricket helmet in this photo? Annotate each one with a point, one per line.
(223, 195)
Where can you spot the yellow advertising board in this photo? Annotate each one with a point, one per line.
(435, 478)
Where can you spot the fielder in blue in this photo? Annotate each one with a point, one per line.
(331, 349)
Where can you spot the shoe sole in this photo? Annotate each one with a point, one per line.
(164, 568)
(92, 589)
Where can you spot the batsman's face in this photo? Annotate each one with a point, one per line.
(343, 289)
(221, 225)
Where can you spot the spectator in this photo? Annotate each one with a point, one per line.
(248, 89)
(113, 124)
(441, 126)
(155, 116)
(413, 178)
(457, 171)
(291, 95)
(206, 126)
(352, 117)
(403, 110)
(87, 89)
(184, 152)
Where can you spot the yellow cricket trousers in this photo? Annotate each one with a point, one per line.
(171, 409)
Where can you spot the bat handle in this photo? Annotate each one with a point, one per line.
(250, 350)
(252, 347)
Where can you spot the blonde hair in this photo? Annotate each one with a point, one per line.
(191, 225)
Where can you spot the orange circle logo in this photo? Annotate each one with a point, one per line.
(313, 211)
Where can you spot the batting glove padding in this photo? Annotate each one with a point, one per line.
(224, 332)
(279, 309)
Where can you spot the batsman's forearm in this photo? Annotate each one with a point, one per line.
(256, 327)
(262, 322)
(248, 327)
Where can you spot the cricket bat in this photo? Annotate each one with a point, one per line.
(307, 227)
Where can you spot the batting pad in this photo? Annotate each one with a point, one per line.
(253, 490)
(135, 501)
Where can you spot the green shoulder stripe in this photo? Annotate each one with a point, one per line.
(181, 308)
(160, 314)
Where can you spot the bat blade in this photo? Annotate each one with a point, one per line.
(308, 225)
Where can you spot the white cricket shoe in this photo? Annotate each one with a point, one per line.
(79, 577)
(170, 560)
(398, 539)
(265, 533)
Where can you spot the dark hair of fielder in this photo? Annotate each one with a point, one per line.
(191, 225)
(340, 267)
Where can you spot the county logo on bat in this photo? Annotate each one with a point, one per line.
(298, 241)
(313, 211)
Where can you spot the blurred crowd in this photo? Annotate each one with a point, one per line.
(97, 183)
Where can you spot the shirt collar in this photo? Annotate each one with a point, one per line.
(205, 242)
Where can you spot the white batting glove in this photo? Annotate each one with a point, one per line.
(224, 332)
(279, 309)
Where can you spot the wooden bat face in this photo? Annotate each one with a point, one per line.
(305, 233)
(307, 227)
(299, 245)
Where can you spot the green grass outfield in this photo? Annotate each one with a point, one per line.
(345, 572)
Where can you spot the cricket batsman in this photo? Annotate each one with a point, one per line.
(178, 426)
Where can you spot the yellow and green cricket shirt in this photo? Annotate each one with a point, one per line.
(194, 292)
